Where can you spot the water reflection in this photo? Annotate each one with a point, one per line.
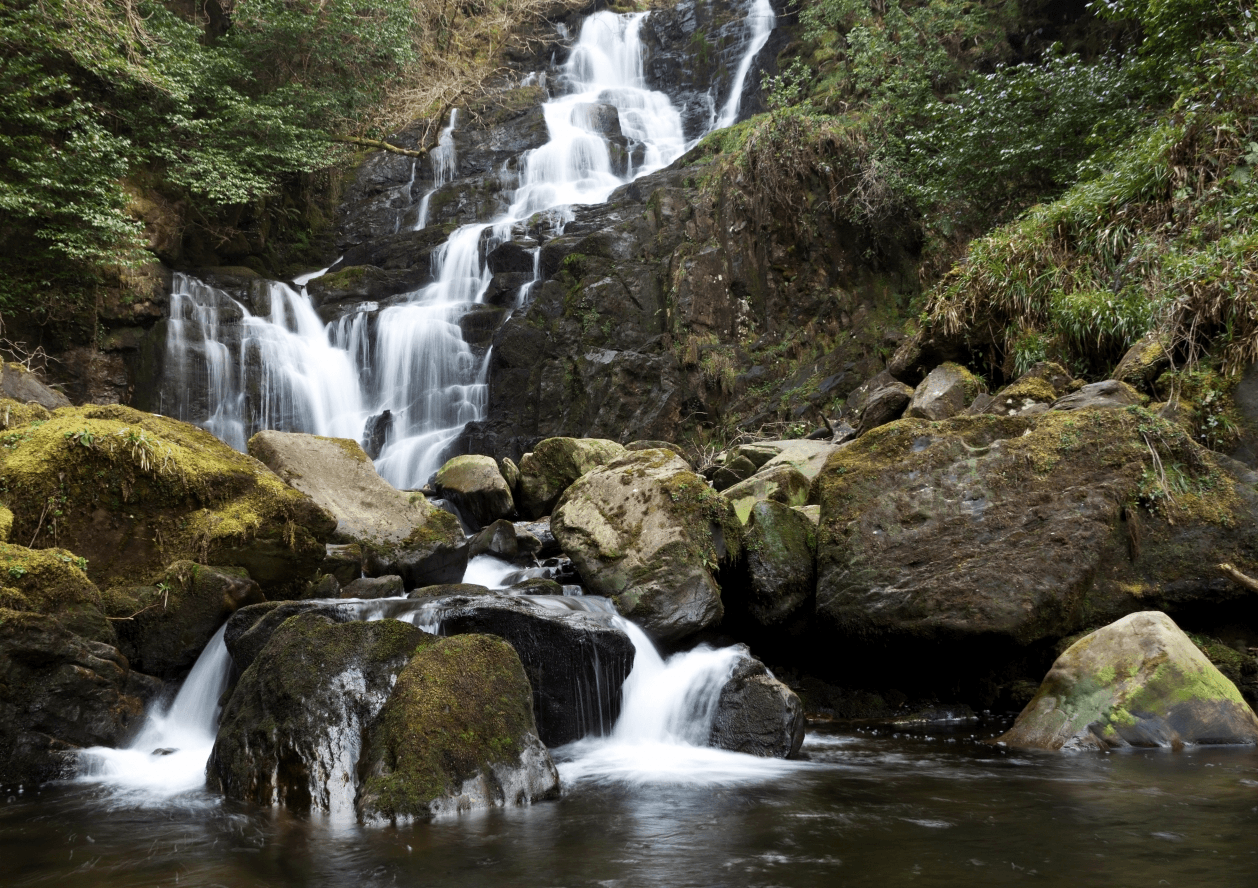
(932, 807)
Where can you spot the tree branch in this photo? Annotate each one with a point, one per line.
(1239, 578)
(384, 146)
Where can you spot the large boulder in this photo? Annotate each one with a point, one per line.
(553, 465)
(946, 391)
(132, 492)
(1107, 393)
(64, 684)
(399, 533)
(647, 532)
(1137, 682)
(757, 714)
(780, 552)
(878, 401)
(476, 487)
(1014, 530)
(250, 628)
(457, 733)
(292, 732)
(21, 385)
(164, 628)
(575, 660)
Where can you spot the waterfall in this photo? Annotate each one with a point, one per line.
(168, 756)
(269, 362)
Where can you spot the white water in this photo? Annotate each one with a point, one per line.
(236, 371)
(187, 726)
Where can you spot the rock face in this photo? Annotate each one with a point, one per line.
(456, 734)
(63, 682)
(1138, 682)
(647, 532)
(476, 488)
(576, 661)
(757, 714)
(1014, 529)
(292, 732)
(553, 465)
(399, 533)
(946, 391)
(125, 480)
(174, 621)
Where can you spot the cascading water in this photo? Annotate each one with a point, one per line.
(236, 369)
(168, 756)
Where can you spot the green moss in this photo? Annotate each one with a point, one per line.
(440, 527)
(6, 523)
(460, 705)
(52, 581)
(693, 503)
(15, 415)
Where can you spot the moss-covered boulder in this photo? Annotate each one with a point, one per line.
(163, 628)
(398, 533)
(648, 533)
(477, 488)
(1143, 363)
(251, 627)
(25, 387)
(946, 391)
(1105, 394)
(1139, 681)
(15, 414)
(6, 523)
(63, 682)
(1013, 530)
(756, 714)
(780, 548)
(131, 492)
(1032, 392)
(292, 732)
(553, 465)
(456, 734)
(780, 483)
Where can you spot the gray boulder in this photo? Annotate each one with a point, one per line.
(780, 551)
(390, 586)
(757, 714)
(780, 483)
(476, 487)
(1108, 393)
(25, 387)
(553, 465)
(648, 533)
(880, 401)
(1140, 682)
(399, 533)
(946, 391)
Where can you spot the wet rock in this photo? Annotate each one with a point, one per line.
(511, 257)
(291, 735)
(457, 733)
(1139, 682)
(540, 530)
(399, 533)
(511, 474)
(326, 586)
(374, 587)
(498, 539)
(781, 483)
(946, 391)
(376, 433)
(250, 628)
(1109, 393)
(165, 627)
(149, 490)
(476, 487)
(780, 550)
(343, 561)
(1009, 530)
(647, 532)
(575, 660)
(25, 387)
(553, 465)
(757, 714)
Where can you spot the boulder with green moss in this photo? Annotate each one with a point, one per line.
(1032, 392)
(780, 483)
(456, 734)
(779, 549)
(292, 732)
(163, 628)
(1104, 394)
(15, 414)
(398, 533)
(477, 488)
(553, 465)
(1139, 682)
(251, 627)
(64, 684)
(1143, 363)
(946, 391)
(649, 533)
(131, 492)
(1013, 530)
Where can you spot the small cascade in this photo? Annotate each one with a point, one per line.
(168, 756)
(267, 361)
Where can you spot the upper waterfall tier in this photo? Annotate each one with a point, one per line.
(268, 355)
